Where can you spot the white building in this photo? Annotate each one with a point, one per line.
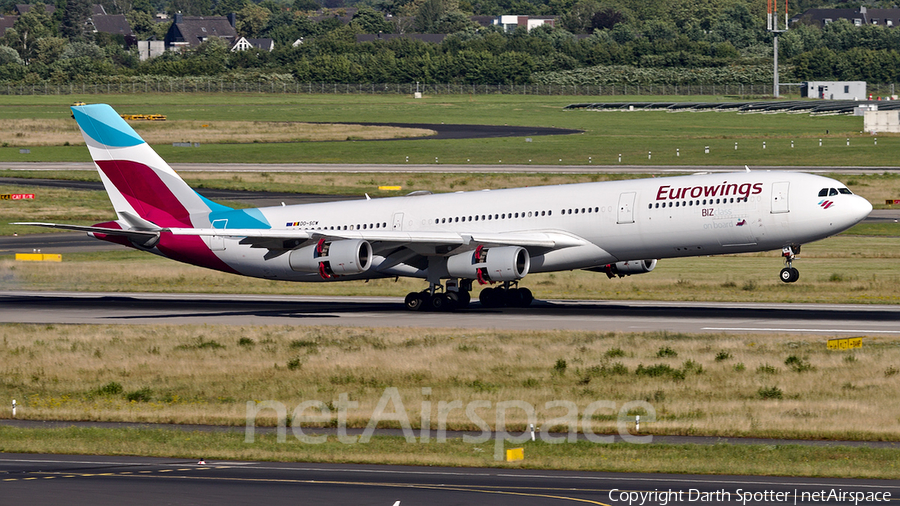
(834, 90)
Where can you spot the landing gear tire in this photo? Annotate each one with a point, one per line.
(519, 297)
(416, 301)
(442, 302)
(789, 274)
(491, 297)
(462, 299)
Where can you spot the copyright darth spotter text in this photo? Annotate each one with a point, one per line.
(745, 497)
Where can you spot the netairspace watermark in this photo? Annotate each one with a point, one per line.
(745, 497)
(316, 413)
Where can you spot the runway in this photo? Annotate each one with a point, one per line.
(602, 316)
(115, 480)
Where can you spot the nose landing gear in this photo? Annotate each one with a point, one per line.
(789, 274)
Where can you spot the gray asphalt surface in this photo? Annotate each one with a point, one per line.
(116, 480)
(626, 316)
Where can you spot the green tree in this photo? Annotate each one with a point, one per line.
(578, 18)
(368, 20)
(49, 49)
(27, 30)
(252, 20)
(74, 18)
(9, 55)
(306, 5)
(430, 13)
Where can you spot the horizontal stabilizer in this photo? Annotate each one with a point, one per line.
(142, 235)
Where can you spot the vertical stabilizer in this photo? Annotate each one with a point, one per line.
(138, 181)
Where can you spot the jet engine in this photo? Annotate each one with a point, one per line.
(333, 258)
(629, 267)
(506, 263)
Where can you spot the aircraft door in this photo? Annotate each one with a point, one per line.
(397, 223)
(626, 208)
(780, 202)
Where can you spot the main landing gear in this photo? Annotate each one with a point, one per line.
(456, 296)
(789, 274)
(437, 298)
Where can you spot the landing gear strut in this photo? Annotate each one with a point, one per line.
(789, 274)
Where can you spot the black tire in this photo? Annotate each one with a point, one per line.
(491, 297)
(462, 299)
(415, 301)
(795, 275)
(525, 297)
(786, 275)
(439, 302)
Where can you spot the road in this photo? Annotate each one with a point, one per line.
(601, 316)
(115, 480)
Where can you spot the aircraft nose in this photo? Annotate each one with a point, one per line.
(861, 208)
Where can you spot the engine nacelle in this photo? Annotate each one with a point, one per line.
(333, 258)
(630, 267)
(506, 263)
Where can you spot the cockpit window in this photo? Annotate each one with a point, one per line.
(832, 192)
(845, 191)
(823, 192)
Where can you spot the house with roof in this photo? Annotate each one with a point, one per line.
(861, 16)
(114, 24)
(7, 22)
(23, 8)
(188, 32)
(510, 22)
(245, 43)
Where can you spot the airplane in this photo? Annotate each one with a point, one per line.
(455, 240)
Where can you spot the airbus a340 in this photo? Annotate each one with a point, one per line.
(455, 240)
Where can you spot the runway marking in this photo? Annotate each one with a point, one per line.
(763, 329)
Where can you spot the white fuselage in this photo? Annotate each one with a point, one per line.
(704, 214)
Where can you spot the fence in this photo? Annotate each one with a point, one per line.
(211, 86)
(214, 86)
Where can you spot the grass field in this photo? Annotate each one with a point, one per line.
(781, 386)
(843, 269)
(606, 134)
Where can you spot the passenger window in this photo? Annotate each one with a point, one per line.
(582, 210)
(833, 192)
(650, 206)
(676, 204)
(476, 217)
(823, 192)
(529, 214)
(576, 210)
(549, 213)
(596, 209)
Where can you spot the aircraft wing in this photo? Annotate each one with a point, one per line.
(289, 239)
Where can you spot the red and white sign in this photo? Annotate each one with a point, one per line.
(17, 196)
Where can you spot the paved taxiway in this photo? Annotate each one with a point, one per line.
(605, 316)
(115, 480)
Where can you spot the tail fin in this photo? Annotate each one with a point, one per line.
(141, 185)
